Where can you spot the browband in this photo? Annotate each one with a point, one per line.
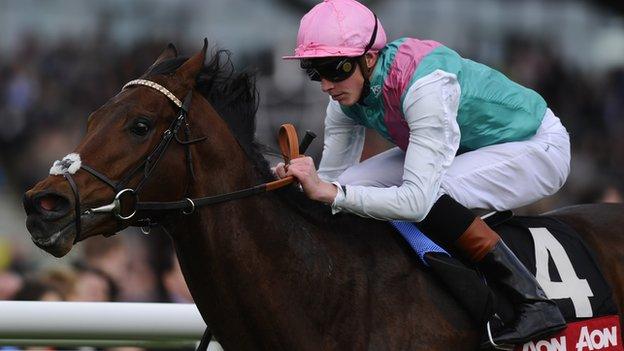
(153, 85)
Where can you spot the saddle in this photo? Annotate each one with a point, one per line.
(563, 264)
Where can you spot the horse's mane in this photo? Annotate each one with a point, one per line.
(235, 97)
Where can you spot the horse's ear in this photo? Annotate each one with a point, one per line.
(170, 52)
(191, 68)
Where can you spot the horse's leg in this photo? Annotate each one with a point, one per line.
(602, 228)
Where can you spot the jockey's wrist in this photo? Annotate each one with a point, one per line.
(340, 197)
(326, 192)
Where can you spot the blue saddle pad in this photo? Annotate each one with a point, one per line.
(417, 240)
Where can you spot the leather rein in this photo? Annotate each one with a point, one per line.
(288, 143)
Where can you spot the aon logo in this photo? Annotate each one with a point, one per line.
(578, 338)
(597, 339)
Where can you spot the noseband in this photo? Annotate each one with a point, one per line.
(186, 206)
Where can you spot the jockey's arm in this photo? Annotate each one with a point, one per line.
(343, 143)
(430, 108)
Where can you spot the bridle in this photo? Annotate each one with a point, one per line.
(288, 145)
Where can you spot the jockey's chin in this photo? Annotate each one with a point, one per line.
(346, 99)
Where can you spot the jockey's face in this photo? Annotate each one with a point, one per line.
(348, 91)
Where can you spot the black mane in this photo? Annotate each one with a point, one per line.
(235, 97)
(233, 94)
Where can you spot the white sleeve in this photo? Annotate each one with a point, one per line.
(344, 140)
(430, 108)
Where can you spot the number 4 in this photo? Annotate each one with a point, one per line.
(570, 286)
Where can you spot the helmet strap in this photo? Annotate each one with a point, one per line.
(366, 73)
(365, 92)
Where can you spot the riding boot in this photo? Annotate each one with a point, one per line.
(536, 315)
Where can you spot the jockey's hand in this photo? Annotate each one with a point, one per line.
(304, 171)
(280, 170)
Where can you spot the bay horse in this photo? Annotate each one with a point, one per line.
(274, 271)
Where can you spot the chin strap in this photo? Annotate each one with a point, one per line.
(366, 72)
(365, 92)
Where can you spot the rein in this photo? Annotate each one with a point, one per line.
(288, 143)
(290, 149)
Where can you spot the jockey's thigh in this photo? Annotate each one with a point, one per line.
(514, 174)
(382, 170)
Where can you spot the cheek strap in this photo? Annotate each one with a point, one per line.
(366, 72)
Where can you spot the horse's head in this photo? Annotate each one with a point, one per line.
(139, 140)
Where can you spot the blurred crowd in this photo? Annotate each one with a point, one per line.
(46, 95)
(48, 90)
(591, 107)
(126, 267)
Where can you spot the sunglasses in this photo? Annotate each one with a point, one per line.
(332, 69)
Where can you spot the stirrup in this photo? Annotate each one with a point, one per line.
(495, 345)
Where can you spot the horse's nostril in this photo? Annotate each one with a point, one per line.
(51, 204)
(48, 203)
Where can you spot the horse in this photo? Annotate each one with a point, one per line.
(272, 271)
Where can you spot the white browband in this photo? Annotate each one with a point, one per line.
(153, 85)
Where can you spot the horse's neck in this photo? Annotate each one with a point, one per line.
(249, 257)
(265, 278)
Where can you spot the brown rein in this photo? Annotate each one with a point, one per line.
(289, 147)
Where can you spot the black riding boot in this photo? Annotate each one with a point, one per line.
(453, 225)
(536, 315)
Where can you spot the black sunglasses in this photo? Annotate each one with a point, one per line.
(333, 69)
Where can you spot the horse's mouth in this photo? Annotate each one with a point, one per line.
(59, 242)
(49, 241)
(63, 236)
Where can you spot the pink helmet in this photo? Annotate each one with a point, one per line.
(338, 28)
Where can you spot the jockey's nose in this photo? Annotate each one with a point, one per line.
(326, 85)
(48, 204)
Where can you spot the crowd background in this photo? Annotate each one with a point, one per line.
(60, 60)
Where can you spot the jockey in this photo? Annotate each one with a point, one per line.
(466, 137)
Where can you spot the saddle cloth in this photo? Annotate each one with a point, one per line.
(563, 264)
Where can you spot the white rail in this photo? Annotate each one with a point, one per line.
(99, 324)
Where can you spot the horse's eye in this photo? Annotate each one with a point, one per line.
(140, 128)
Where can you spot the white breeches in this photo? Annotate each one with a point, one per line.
(500, 177)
